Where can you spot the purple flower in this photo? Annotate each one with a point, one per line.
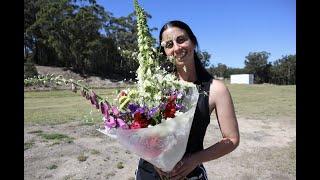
(179, 106)
(133, 107)
(141, 110)
(162, 106)
(152, 112)
(104, 109)
(93, 99)
(110, 122)
(115, 111)
(179, 95)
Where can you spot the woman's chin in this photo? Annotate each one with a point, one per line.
(181, 59)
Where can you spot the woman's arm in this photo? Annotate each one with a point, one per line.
(220, 100)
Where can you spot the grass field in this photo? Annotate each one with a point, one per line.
(264, 101)
(60, 106)
(251, 101)
(61, 140)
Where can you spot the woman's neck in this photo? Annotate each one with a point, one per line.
(187, 72)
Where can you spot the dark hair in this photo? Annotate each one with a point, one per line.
(202, 73)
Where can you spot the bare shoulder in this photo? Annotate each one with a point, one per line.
(218, 87)
(218, 92)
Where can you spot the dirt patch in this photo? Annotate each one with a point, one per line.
(266, 151)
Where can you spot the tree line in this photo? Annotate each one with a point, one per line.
(86, 38)
(281, 71)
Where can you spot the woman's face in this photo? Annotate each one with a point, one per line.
(177, 43)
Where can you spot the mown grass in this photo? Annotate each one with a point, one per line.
(57, 138)
(251, 101)
(60, 106)
(264, 101)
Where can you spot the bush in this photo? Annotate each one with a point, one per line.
(30, 70)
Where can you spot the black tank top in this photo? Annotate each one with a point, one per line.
(199, 125)
(201, 118)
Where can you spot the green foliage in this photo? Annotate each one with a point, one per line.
(256, 63)
(30, 70)
(219, 71)
(283, 70)
(52, 136)
(71, 34)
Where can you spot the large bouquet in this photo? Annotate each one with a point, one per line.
(153, 119)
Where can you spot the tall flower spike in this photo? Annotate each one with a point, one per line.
(104, 109)
(146, 54)
(94, 100)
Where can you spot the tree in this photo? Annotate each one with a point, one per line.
(204, 57)
(69, 31)
(30, 10)
(70, 34)
(257, 63)
(123, 31)
(219, 71)
(231, 71)
(283, 70)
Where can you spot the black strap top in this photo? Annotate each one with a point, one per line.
(201, 118)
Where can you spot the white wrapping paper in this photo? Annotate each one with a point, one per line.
(164, 144)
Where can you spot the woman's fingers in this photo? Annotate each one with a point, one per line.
(161, 173)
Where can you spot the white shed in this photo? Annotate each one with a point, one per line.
(241, 79)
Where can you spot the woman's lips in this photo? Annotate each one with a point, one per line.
(181, 55)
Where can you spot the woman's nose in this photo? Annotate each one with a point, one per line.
(176, 47)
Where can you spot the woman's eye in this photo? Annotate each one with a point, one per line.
(181, 39)
(169, 44)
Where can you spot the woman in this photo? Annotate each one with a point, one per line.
(178, 40)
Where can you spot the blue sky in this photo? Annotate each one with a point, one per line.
(227, 29)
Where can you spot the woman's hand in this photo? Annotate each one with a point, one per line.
(183, 168)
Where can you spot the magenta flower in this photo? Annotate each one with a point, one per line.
(122, 124)
(104, 109)
(93, 99)
(110, 122)
(115, 111)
